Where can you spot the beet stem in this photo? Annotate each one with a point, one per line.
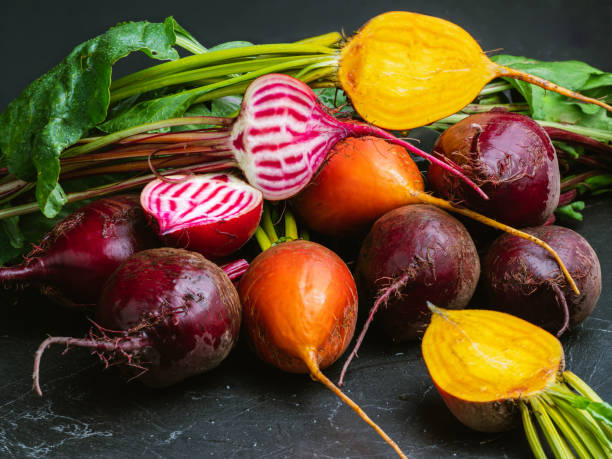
(122, 344)
(531, 432)
(235, 269)
(361, 129)
(578, 139)
(20, 273)
(563, 305)
(427, 198)
(548, 85)
(310, 360)
(394, 288)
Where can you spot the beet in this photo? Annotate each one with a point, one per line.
(433, 257)
(414, 254)
(522, 279)
(510, 157)
(79, 254)
(166, 313)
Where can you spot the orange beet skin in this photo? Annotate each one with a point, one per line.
(363, 178)
(298, 298)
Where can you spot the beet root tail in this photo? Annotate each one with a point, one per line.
(316, 374)
(382, 299)
(122, 345)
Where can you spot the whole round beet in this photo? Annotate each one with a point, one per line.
(423, 254)
(512, 159)
(79, 254)
(166, 313)
(522, 279)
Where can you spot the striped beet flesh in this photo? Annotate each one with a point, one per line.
(283, 135)
(213, 214)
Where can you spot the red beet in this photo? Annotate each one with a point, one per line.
(80, 253)
(167, 313)
(414, 254)
(510, 157)
(522, 279)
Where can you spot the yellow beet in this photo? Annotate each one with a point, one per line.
(404, 70)
(493, 368)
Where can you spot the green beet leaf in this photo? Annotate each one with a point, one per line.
(58, 108)
(574, 75)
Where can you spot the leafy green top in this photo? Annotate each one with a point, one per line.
(56, 110)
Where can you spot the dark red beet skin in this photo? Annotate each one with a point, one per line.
(436, 255)
(75, 258)
(183, 306)
(522, 279)
(513, 160)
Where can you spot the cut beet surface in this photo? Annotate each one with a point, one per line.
(213, 214)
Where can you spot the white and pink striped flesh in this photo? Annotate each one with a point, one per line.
(283, 135)
(214, 214)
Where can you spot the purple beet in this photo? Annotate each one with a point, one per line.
(166, 313)
(80, 253)
(414, 254)
(510, 157)
(522, 279)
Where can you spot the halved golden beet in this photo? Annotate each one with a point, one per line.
(404, 70)
(483, 361)
(491, 366)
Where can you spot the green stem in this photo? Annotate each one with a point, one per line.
(119, 135)
(19, 192)
(305, 235)
(570, 434)
(586, 420)
(262, 239)
(583, 433)
(493, 88)
(197, 93)
(556, 443)
(214, 57)
(189, 45)
(481, 108)
(291, 230)
(327, 39)
(191, 76)
(531, 433)
(580, 386)
(268, 225)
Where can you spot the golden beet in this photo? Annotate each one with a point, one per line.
(492, 368)
(404, 70)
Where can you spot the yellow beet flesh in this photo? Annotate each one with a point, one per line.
(488, 356)
(404, 70)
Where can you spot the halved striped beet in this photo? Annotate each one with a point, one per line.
(283, 135)
(213, 214)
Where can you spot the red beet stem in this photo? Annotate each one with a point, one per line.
(363, 129)
(122, 345)
(235, 269)
(386, 293)
(21, 273)
(577, 139)
(567, 197)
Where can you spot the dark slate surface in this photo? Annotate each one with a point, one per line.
(243, 408)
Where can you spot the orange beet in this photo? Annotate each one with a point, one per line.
(300, 309)
(299, 298)
(344, 198)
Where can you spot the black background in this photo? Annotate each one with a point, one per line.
(243, 408)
